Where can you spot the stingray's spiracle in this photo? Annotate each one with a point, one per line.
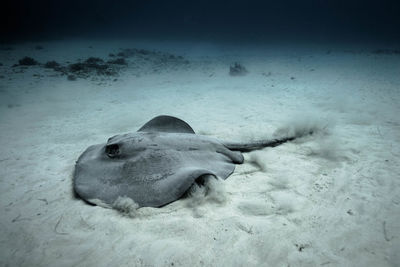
(112, 150)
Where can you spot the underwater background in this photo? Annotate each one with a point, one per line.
(233, 20)
(74, 73)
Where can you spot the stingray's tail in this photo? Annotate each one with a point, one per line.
(247, 147)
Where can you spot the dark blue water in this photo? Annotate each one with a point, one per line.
(250, 21)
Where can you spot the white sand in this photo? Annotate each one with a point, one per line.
(332, 199)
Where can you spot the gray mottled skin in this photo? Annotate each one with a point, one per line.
(155, 165)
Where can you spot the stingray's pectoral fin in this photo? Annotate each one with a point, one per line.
(211, 189)
(99, 202)
(176, 186)
(200, 184)
(203, 179)
(235, 156)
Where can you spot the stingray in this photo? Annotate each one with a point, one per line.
(157, 164)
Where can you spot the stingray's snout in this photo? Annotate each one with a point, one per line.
(112, 150)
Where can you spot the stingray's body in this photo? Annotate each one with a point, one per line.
(156, 165)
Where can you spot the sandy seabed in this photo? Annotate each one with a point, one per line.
(330, 199)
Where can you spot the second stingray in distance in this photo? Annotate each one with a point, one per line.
(156, 165)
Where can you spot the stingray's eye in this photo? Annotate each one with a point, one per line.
(112, 150)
